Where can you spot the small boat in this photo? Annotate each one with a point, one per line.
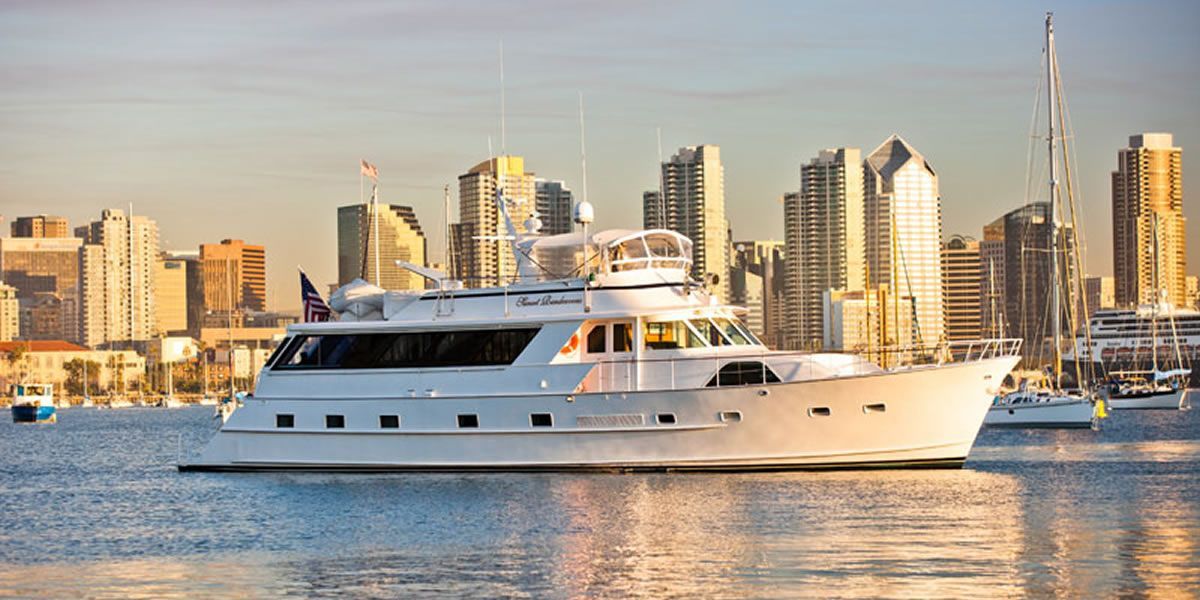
(168, 402)
(1130, 391)
(33, 403)
(1040, 407)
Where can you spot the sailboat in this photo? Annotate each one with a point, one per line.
(1044, 402)
(1156, 388)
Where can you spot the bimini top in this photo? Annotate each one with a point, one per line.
(610, 251)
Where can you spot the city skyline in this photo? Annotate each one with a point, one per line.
(250, 127)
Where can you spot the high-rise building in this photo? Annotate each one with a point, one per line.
(10, 313)
(991, 280)
(823, 229)
(693, 204)
(1149, 241)
(481, 259)
(400, 238)
(903, 227)
(961, 285)
(1101, 293)
(756, 281)
(116, 270)
(853, 321)
(41, 267)
(234, 271)
(555, 205)
(170, 285)
(41, 226)
(1027, 278)
(1193, 291)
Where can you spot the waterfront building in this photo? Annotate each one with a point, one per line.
(854, 320)
(116, 270)
(41, 266)
(693, 204)
(170, 285)
(193, 286)
(756, 281)
(903, 228)
(823, 229)
(400, 238)
(962, 290)
(1149, 240)
(1027, 278)
(1101, 294)
(234, 275)
(991, 281)
(483, 260)
(10, 313)
(46, 361)
(555, 205)
(41, 226)
(1193, 291)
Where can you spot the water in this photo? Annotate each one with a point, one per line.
(93, 507)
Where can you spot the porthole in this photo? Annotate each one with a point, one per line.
(820, 411)
(731, 416)
(389, 421)
(665, 418)
(285, 421)
(335, 421)
(541, 420)
(874, 408)
(468, 421)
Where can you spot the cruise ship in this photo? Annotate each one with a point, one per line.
(627, 365)
(1125, 340)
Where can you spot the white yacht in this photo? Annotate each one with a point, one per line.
(631, 366)
(1034, 407)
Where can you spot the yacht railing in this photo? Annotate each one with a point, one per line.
(692, 372)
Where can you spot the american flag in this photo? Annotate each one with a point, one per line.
(369, 170)
(315, 308)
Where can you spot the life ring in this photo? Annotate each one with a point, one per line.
(571, 346)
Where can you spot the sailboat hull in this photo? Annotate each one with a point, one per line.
(1076, 413)
(1173, 400)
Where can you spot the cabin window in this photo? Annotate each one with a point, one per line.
(423, 349)
(749, 372)
(622, 337)
(285, 421)
(595, 340)
(468, 421)
(732, 332)
(670, 335)
(709, 332)
(541, 420)
(665, 418)
(389, 421)
(278, 350)
(335, 421)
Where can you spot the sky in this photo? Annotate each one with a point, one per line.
(247, 119)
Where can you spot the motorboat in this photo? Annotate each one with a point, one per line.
(33, 403)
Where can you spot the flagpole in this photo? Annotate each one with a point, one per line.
(375, 233)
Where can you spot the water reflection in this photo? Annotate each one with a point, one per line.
(1075, 514)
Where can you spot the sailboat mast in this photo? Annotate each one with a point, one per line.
(1051, 92)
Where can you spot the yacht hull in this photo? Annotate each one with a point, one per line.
(919, 417)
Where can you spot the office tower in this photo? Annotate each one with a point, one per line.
(116, 271)
(1193, 291)
(170, 284)
(233, 271)
(1149, 243)
(400, 238)
(823, 228)
(1101, 293)
(38, 267)
(853, 320)
(654, 215)
(693, 204)
(41, 226)
(903, 227)
(756, 281)
(961, 285)
(1027, 278)
(481, 259)
(554, 205)
(991, 281)
(10, 313)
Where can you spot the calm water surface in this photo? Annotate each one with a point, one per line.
(93, 507)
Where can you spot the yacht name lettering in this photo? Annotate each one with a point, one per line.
(547, 300)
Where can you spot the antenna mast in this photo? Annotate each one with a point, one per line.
(503, 144)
